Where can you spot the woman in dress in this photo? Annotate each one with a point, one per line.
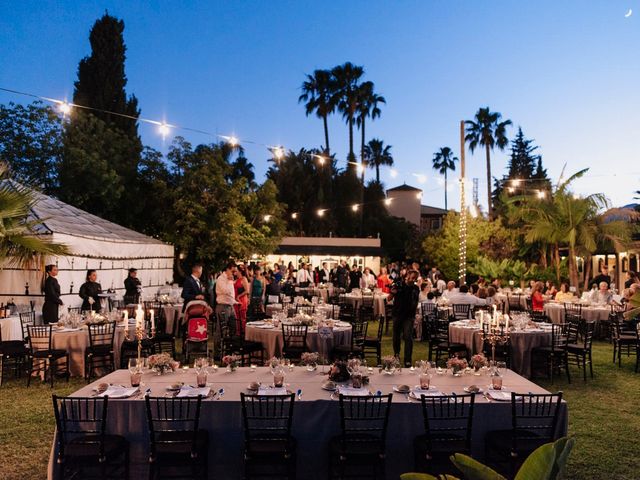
(90, 291)
(241, 287)
(384, 282)
(257, 291)
(51, 292)
(537, 299)
(564, 295)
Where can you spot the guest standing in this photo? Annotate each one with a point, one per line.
(90, 291)
(226, 298)
(132, 287)
(192, 287)
(257, 290)
(368, 280)
(383, 280)
(303, 278)
(51, 292)
(325, 274)
(241, 287)
(405, 303)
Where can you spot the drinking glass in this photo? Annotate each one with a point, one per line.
(135, 377)
(425, 381)
(501, 367)
(134, 365)
(356, 379)
(201, 378)
(278, 377)
(496, 382)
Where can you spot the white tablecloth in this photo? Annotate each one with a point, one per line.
(324, 292)
(11, 328)
(316, 417)
(555, 311)
(522, 342)
(502, 297)
(273, 342)
(378, 302)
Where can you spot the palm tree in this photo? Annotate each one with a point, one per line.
(20, 245)
(443, 161)
(377, 154)
(487, 131)
(317, 92)
(367, 107)
(346, 95)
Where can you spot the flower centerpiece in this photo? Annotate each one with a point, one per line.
(231, 361)
(161, 363)
(457, 365)
(310, 359)
(338, 371)
(478, 361)
(390, 364)
(303, 319)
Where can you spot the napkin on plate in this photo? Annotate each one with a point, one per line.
(499, 395)
(188, 391)
(272, 391)
(432, 392)
(354, 392)
(117, 391)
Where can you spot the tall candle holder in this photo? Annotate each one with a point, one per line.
(140, 333)
(497, 334)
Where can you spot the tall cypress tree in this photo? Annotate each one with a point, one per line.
(101, 86)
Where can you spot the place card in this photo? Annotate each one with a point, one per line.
(188, 391)
(266, 391)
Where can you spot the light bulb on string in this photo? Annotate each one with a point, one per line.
(541, 194)
(320, 212)
(419, 195)
(320, 158)
(294, 215)
(163, 129)
(65, 108)
(387, 201)
(231, 140)
(278, 152)
(354, 207)
(266, 218)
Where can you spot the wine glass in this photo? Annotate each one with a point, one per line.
(134, 365)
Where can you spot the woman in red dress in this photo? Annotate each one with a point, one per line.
(241, 287)
(383, 280)
(537, 299)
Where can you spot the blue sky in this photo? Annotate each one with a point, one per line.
(567, 72)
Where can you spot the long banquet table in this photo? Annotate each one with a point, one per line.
(315, 419)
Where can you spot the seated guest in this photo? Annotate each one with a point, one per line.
(462, 296)
(537, 299)
(550, 289)
(632, 277)
(473, 288)
(368, 280)
(564, 295)
(602, 296)
(491, 295)
(384, 282)
(425, 293)
(273, 287)
(482, 293)
(451, 289)
(90, 291)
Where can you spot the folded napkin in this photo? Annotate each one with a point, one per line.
(432, 392)
(272, 391)
(354, 392)
(188, 391)
(117, 391)
(499, 395)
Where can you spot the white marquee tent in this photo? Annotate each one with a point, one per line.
(94, 243)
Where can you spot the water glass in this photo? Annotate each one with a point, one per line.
(134, 365)
(201, 378)
(278, 378)
(425, 381)
(135, 377)
(356, 380)
(496, 382)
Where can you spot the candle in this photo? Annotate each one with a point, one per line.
(153, 322)
(481, 318)
(506, 323)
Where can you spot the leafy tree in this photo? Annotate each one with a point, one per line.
(87, 175)
(346, 95)
(317, 93)
(157, 194)
(376, 155)
(441, 248)
(486, 130)
(443, 161)
(216, 217)
(31, 143)
(20, 244)
(101, 86)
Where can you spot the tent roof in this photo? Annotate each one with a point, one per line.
(60, 217)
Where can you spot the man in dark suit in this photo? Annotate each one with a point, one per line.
(192, 288)
(325, 274)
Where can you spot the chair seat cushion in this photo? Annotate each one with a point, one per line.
(179, 443)
(100, 349)
(371, 342)
(356, 446)
(87, 446)
(13, 348)
(248, 345)
(501, 442)
(258, 447)
(573, 348)
(55, 353)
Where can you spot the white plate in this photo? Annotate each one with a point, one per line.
(432, 392)
(328, 388)
(404, 392)
(466, 389)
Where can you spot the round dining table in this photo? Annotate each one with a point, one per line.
(322, 342)
(379, 301)
(469, 333)
(590, 313)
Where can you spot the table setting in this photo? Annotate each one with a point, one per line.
(316, 416)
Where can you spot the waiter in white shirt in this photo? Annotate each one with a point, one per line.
(226, 298)
(303, 277)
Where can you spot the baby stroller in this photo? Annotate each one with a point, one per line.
(195, 340)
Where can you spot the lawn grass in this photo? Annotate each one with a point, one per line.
(604, 416)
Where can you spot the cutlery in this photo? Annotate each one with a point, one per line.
(299, 394)
(220, 393)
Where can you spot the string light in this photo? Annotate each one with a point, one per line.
(387, 201)
(267, 218)
(354, 207)
(321, 212)
(163, 129)
(294, 215)
(541, 194)
(231, 140)
(278, 152)
(419, 195)
(64, 108)
(516, 182)
(320, 158)
(511, 189)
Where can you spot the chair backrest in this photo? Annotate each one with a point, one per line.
(267, 417)
(536, 413)
(358, 333)
(365, 419)
(428, 309)
(513, 299)
(27, 319)
(572, 311)
(197, 329)
(447, 419)
(294, 336)
(39, 337)
(441, 332)
(78, 310)
(461, 310)
(586, 331)
(78, 417)
(102, 334)
(574, 327)
(366, 300)
(380, 328)
(166, 415)
(306, 309)
(559, 336)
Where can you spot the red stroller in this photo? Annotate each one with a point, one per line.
(196, 334)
